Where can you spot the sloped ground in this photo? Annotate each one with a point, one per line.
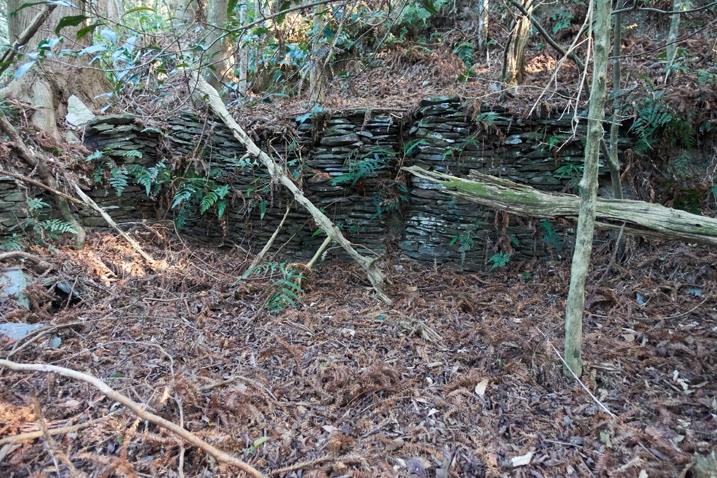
(459, 377)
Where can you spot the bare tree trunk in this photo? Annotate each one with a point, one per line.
(612, 150)
(243, 55)
(219, 54)
(588, 194)
(48, 84)
(515, 49)
(319, 49)
(677, 6)
(482, 25)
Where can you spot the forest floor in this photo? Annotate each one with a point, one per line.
(459, 377)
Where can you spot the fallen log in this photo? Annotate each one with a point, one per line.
(640, 218)
(203, 91)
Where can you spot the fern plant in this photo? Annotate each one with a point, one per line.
(285, 290)
(12, 243)
(45, 228)
(202, 192)
(499, 259)
(655, 120)
(358, 170)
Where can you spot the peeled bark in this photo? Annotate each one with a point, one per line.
(515, 50)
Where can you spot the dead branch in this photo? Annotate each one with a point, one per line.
(52, 431)
(324, 459)
(44, 172)
(260, 257)
(41, 264)
(206, 93)
(641, 218)
(54, 191)
(111, 222)
(137, 409)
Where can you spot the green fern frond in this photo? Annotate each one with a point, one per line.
(118, 179)
(96, 155)
(132, 153)
(35, 204)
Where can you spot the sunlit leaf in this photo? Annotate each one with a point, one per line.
(23, 69)
(109, 35)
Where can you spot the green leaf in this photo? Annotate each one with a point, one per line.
(428, 5)
(82, 32)
(259, 441)
(70, 21)
(231, 5)
(138, 9)
(221, 207)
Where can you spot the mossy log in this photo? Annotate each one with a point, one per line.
(640, 218)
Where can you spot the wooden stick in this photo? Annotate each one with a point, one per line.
(203, 91)
(137, 409)
(111, 222)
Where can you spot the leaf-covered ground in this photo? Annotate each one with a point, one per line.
(459, 377)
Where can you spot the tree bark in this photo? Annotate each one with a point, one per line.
(515, 50)
(219, 54)
(642, 218)
(588, 195)
(48, 84)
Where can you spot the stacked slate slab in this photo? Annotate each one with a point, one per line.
(348, 164)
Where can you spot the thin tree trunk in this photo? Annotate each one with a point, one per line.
(515, 50)
(319, 49)
(482, 25)
(588, 194)
(677, 6)
(612, 150)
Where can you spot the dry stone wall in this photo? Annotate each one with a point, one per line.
(348, 164)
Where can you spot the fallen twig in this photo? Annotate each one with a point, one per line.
(595, 399)
(52, 431)
(111, 222)
(41, 264)
(323, 459)
(137, 409)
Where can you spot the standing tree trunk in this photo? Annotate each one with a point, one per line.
(219, 54)
(612, 149)
(515, 49)
(49, 83)
(319, 51)
(243, 54)
(482, 25)
(588, 194)
(677, 6)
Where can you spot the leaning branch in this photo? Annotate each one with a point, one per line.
(641, 218)
(137, 409)
(207, 93)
